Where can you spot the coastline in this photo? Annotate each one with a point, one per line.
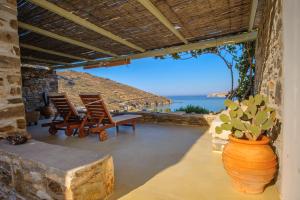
(214, 104)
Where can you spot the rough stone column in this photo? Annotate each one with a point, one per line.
(12, 116)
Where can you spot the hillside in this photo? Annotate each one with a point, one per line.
(218, 94)
(118, 96)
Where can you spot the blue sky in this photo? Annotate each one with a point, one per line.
(167, 77)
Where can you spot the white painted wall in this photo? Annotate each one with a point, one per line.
(290, 187)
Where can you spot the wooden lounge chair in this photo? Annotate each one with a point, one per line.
(98, 118)
(66, 117)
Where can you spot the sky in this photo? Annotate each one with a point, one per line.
(169, 77)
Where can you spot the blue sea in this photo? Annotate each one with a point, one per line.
(214, 104)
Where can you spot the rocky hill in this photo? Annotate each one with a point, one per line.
(218, 94)
(118, 96)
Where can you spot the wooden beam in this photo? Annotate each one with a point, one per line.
(62, 38)
(177, 49)
(198, 45)
(108, 64)
(151, 8)
(44, 60)
(27, 46)
(252, 14)
(82, 22)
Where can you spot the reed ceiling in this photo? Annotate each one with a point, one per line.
(195, 20)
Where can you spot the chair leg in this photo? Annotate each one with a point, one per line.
(133, 125)
(116, 131)
(81, 133)
(52, 130)
(81, 128)
(68, 131)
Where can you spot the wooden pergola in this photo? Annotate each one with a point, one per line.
(64, 34)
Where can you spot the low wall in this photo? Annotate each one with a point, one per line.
(37, 170)
(176, 118)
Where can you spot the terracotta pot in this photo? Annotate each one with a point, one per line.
(47, 111)
(251, 165)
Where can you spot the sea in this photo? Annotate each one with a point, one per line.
(214, 104)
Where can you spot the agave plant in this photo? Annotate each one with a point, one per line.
(248, 119)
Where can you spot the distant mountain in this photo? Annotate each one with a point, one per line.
(118, 96)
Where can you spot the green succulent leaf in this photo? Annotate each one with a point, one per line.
(230, 104)
(260, 118)
(233, 114)
(266, 100)
(226, 127)
(218, 130)
(238, 134)
(253, 110)
(251, 100)
(258, 99)
(227, 102)
(224, 118)
(268, 124)
(238, 124)
(239, 112)
(256, 130)
(234, 106)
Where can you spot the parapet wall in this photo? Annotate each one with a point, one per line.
(176, 118)
(37, 170)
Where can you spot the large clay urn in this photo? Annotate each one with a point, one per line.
(47, 111)
(251, 165)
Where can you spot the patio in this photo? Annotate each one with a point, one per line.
(160, 161)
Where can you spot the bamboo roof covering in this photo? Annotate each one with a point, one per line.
(113, 28)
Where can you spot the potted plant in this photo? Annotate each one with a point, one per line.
(248, 157)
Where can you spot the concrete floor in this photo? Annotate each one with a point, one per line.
(161, 162)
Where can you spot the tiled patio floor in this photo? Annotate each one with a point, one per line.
(161, 162)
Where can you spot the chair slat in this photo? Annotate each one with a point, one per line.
(95, 106)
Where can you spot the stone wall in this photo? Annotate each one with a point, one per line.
(12, 119)
(35, 82)
(269, 65)
(40, 171)
(176, 118)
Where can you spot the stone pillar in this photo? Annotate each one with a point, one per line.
(12, 116)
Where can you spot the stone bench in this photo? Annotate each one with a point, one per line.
(38, 170)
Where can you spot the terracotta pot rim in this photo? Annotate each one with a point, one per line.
(264, 140)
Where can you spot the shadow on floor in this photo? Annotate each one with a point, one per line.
(137, 156)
